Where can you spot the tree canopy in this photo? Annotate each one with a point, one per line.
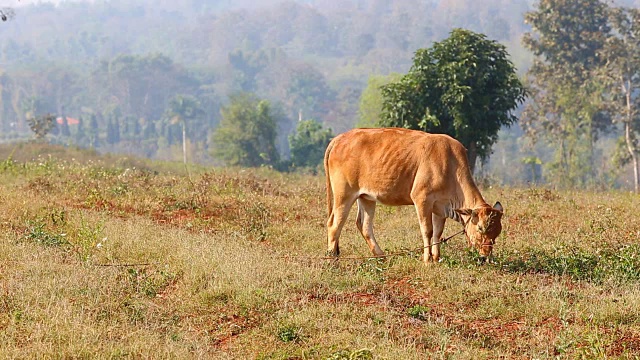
(308, 144)
(247, 132)
(567, 39)
(464, 86)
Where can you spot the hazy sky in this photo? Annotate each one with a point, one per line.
(26, 2)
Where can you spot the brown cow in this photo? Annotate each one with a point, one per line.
(406, 167)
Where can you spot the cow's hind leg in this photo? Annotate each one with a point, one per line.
(337, 218)
(364, 222)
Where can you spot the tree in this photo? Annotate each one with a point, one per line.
(247, 132)
(248, 66)
(113, 131)
(464, 86)
(371, 99)
(94, 132)
(81, 136)
(308, 92)
(64, 127)
(309, 143)
(41, 125)
(140, 85)
(621, 74)
(183, 109)
(566, 39)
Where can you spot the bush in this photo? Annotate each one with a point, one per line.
(308, 144)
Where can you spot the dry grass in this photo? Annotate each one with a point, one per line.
(97, 261)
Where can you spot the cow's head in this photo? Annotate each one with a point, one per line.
(482, 226)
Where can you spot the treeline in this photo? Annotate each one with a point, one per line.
(124, 62)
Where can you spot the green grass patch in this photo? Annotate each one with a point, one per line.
(618, 264)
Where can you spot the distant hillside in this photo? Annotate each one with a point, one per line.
(116, 65)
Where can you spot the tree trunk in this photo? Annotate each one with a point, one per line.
(633, 153)
(635, 171)
(472, 155)
(184, 143)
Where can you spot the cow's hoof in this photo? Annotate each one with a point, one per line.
(332, 253)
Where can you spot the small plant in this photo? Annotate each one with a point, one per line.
(37, 232)
(290, 333)
(149, 283)
(374, 268)
(120, 189)
(88, 238)
(362, 354)
(135, 311)
(42, 125)
(255, 220)
(419, 312)
(8, 165)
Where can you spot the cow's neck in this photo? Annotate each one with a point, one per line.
(467, 197)
(469, 192)
(471, 197)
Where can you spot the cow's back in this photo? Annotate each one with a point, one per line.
(386, 164)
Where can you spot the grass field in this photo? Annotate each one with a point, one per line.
(113, 258)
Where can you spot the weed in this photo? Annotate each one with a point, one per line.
(255, 220)
(39, 234)
(149, 283)
(136, 312)
(8, 165)
(374, 268)
(10, 309)
(419, 312)
(592, 346)
(88, 238)
(120, 189)
(608, 263)
(290, 333)
(345, 354)
(188, 204)
(468, 258)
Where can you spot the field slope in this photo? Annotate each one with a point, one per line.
(112, 258)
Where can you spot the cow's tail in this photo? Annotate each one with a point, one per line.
(328, 179)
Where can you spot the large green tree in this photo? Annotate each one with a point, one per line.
(464, 86)
(566, 39)
(247, 132)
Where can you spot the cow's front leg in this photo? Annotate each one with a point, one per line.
(426, 229)
(438, 228)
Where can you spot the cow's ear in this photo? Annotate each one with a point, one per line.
(466, 212)
(498, 206)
